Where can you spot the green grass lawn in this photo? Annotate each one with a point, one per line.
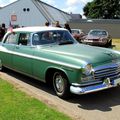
(116, 44)
(16, 105)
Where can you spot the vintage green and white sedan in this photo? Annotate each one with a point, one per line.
(52, 55)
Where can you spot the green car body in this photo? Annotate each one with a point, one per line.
(70, 66)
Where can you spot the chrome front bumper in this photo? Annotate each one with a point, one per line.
(94, 88)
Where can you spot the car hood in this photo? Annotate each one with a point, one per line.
(83, 54)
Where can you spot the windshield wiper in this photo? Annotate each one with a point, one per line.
(66, 42)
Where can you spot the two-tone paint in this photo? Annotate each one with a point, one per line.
(38, 60)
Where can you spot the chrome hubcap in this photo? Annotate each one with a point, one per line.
(59, 83)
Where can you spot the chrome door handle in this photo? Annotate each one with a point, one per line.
(17, 47)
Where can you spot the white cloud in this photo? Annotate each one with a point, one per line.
(12, 1)
(76, 6)
(2, 3)
(85, 1)
(5, 2)
(51, 2)
(76, 2)
(72, 2)
(70, 9)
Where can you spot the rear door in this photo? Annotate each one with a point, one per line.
(7, 49)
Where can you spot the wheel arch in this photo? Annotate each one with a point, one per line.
(50, 71)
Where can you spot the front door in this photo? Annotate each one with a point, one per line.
(22, 60)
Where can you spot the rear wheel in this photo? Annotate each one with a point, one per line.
(2, 68)
(61, 85)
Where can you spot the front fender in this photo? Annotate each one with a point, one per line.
(73, 75)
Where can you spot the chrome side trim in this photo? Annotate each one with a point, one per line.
(39, 58)
(31, 76)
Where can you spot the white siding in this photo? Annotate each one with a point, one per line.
(31, 18)
(39, 13)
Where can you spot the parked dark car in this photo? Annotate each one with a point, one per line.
(97, 37)
(77, 34)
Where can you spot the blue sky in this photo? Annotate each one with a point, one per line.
(74, 6)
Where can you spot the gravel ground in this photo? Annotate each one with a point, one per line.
(104, 105)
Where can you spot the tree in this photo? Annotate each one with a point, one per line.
(106, 9)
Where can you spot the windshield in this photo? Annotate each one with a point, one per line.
(98, 33)
(52, 37)
(75, 31)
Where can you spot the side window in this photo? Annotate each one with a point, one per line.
(11, 38)
(24, 39)
(35, 39)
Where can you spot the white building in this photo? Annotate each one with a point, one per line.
(31, 13)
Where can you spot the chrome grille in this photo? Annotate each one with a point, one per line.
(111, 71)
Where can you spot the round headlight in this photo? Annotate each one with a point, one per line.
(87, 70)
(103, 39)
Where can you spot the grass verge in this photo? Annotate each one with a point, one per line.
(116, 44)
(16, 105)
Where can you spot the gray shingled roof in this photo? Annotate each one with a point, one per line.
(51, 13)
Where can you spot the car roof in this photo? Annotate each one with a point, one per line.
(98, 30)
(36, 29)
(75, 29)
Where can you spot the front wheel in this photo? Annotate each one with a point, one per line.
(61, 85)
(109, 44)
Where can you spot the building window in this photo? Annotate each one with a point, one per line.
(24, 9)
(28, 9)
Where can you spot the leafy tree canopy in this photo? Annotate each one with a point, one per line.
(106, 9)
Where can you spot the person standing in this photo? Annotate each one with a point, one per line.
(47, 24)
(3, 30)
(0, 33)
(57, 24)
(66, 26)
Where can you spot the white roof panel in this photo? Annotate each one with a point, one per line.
(36, 29)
